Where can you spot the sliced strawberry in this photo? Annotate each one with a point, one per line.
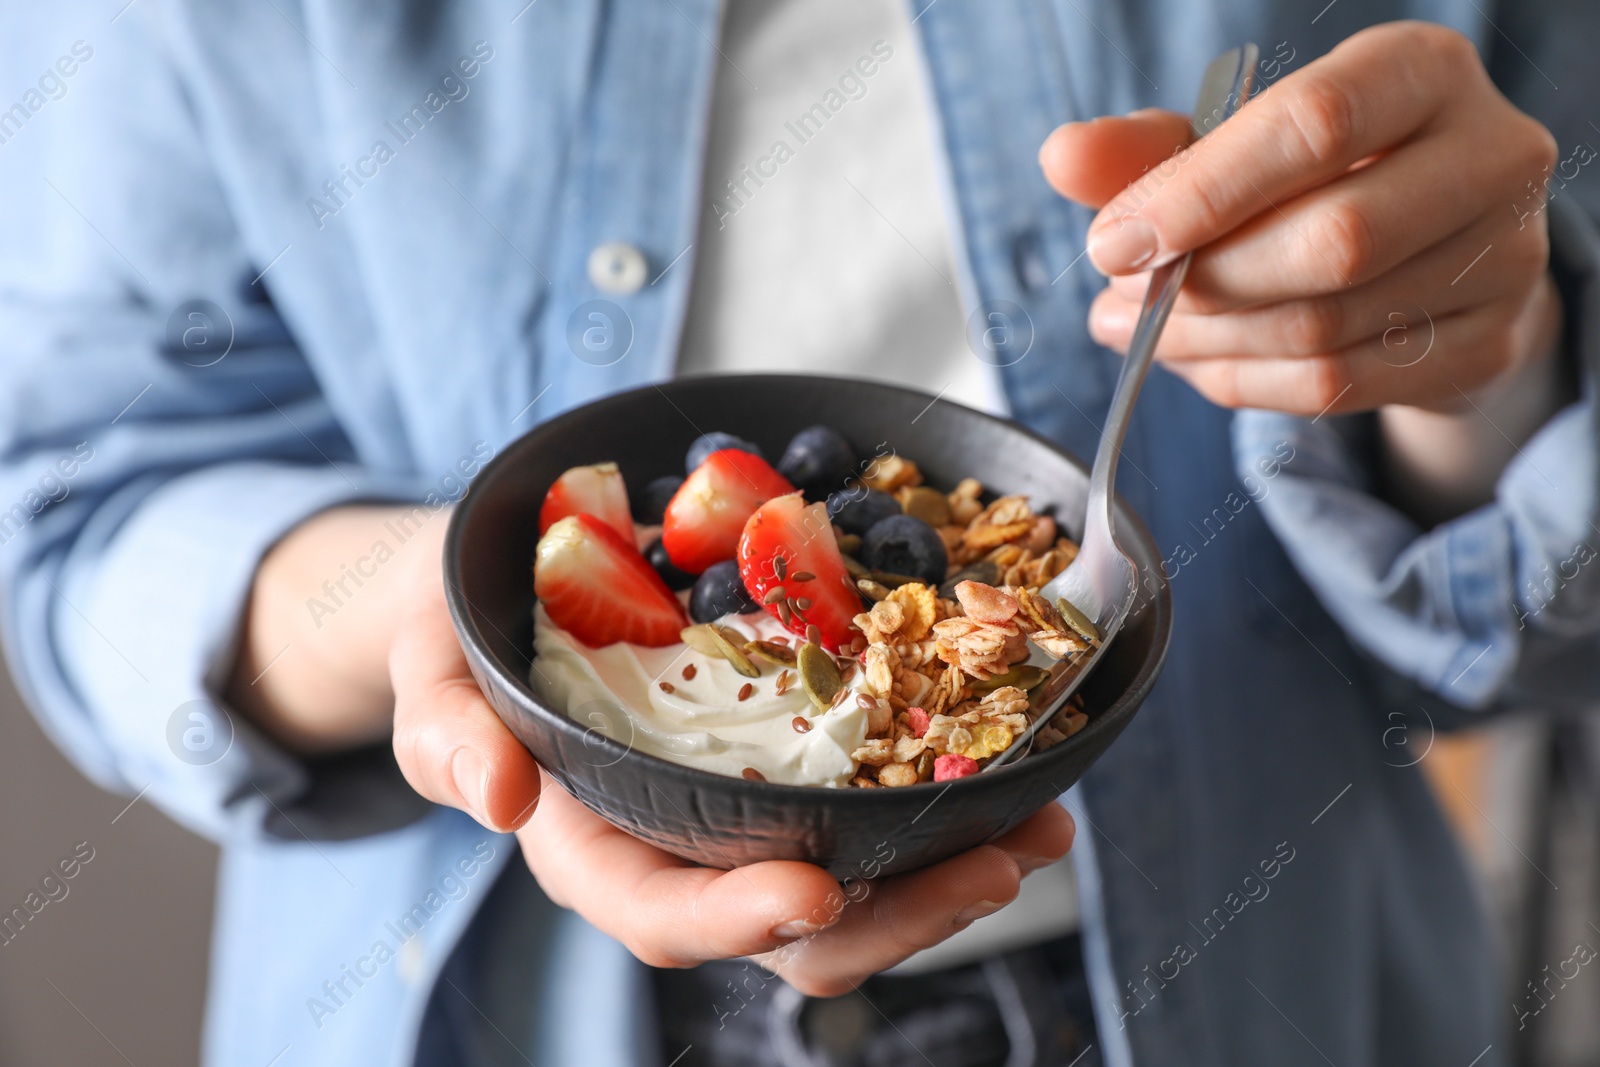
(708, 512)
(790, 544)
(597, 490)
(597, 587)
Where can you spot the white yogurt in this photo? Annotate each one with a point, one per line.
(615, 691)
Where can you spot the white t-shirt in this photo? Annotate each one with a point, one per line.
(825, 248)
(824, 244)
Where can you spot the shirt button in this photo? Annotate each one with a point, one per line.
(617, 268)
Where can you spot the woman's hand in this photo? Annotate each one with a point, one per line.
(1382, 202)
(799, 922)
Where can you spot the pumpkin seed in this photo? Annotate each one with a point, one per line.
(772, 652)
(872, 589)
(819, 675)
(733, 653)
(1078, 620)
(927, 504)
(698, 637)
(1023, 676)
(985, 571)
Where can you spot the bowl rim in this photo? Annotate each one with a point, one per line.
(1112, 717)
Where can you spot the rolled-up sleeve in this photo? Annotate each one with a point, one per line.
(1501, 605)
(144, 474)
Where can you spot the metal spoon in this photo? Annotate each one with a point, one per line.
(1101, 584)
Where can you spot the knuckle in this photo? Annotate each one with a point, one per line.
(1314, 325)
(1343, 243)
(1454, 48)
(1203, 208)
(651, 956)
(1531, 255)
(1322, 118)
(1218, 381)
(1327, 379)
(1542, 147)
(818, 985)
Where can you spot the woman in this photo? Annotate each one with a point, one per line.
(288, 273)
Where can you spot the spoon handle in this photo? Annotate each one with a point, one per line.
(1100, 583)
(1223, 90)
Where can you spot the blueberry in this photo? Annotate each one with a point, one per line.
(657, 555)
(818, 460)
(904, 544)
(857, 509)
(719, 591)
(651, 507)
(716, 441)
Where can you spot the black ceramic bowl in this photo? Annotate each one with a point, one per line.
(724, 822)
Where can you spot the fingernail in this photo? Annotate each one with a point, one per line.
(1123, 245)
(1029, 864)
(796, 928)
(471, 775)
(974, 912)
(1111, 322)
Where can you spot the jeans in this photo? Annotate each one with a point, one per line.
(1024, 1008)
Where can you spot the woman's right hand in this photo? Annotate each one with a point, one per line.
(793, 917)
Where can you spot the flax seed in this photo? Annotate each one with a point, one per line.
(746, 690)
(689, 671)
(666, 687)
(801, 726)
(750, 774)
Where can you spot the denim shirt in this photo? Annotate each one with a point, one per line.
(1265, 876)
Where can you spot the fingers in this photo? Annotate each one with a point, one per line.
(887, 921)
(1040, 840)
(1419, 363)
(449, 742)
(1304, 131)
(668, 912)
(1224, 278)
(1308, 325)
(1368, 223)
(1093, 161)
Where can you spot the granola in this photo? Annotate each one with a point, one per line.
(939, 659)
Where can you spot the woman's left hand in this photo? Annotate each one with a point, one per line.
(1369, 231)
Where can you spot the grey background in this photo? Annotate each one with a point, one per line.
(113, 973)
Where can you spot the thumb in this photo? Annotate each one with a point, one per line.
(1093, 161)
